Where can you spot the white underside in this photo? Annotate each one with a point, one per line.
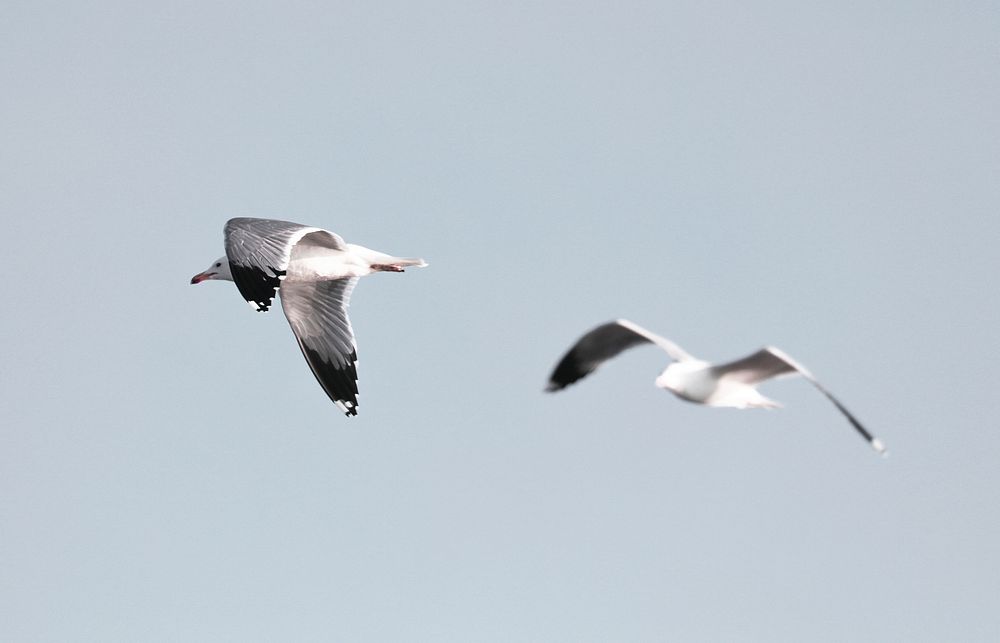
(693, 381)
(353, 261)
(334, 264)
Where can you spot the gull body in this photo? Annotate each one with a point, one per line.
(732, 384)
(351, 262)
(314, 271)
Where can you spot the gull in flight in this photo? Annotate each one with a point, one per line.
(732, 384)
(315, 272)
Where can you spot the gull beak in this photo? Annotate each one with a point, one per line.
(201, 276)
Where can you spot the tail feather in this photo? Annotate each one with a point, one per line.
(374, 257)
(758, 401)
(406, 262)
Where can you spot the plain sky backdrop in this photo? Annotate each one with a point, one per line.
(824, 177)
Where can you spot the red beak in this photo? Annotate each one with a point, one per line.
(200, 277)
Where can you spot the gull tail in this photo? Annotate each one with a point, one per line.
(404, 262)
(379, 261)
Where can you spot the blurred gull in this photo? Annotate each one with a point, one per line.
(732, 384)
(315, 272)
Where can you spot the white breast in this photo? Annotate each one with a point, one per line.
(690, 380)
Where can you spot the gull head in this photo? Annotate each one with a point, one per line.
(218, 270)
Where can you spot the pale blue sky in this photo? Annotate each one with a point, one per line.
(823, 178)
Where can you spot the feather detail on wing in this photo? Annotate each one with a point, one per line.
(259, 252)
(317, 313)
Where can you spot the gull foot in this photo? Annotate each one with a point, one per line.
(386, 267)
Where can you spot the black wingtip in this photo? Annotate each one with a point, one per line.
(567, 371)
(257, 286)
(339, 381)
(349, 408)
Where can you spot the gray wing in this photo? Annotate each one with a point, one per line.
(317, 313)
(772, 362)
(756, 368)
(259, 251)
(601, 344)
(675, 352)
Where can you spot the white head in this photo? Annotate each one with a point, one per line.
(218, 270)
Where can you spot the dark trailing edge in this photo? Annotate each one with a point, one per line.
(256, 285)
(875, 442)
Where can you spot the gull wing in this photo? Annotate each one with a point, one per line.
(601, 344)
(317, 313)
(675, 352)
(259, 251)
(756, 368)
(773, 362)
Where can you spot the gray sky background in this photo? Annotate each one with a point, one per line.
(823, 178)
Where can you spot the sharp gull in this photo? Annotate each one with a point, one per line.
(732, 384)
(315, 271)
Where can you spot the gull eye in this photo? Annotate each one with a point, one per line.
(218, 265)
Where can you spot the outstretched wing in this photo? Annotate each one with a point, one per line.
(675, 352)
(317, 313)
(259, 251)
(772, 362)
(601, 344)
(756, 368)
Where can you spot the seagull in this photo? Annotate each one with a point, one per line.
(315, 271)
(733, 384)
